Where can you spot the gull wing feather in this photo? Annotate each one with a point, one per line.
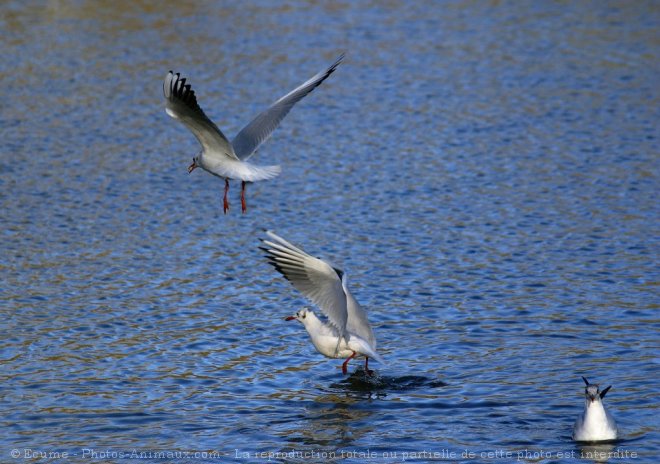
(182, 105)
(357, 322)
(314, 278)
(260, 128)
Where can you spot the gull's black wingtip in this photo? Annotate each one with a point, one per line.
(337, 62)
(604, 392)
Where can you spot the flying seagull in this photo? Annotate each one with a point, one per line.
(347, 334)
(219, 156)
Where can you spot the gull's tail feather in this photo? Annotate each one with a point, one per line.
(246, 171)
(365, 349)
(377, 357)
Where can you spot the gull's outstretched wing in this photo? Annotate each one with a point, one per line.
(313, 277)
(357, 322)
(182, 105)
(260, 128)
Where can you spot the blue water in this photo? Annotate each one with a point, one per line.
(486, 173)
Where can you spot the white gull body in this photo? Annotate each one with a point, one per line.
(595, 423)
(219, 156)
(347, 334)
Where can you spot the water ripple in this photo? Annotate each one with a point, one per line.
(484, 173)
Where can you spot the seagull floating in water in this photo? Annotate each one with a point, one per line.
(219, 156)
(595, 423)
(348, 333)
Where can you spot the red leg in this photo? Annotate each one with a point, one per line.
(366, 366)
(344, 367)
(225, 202)
(243, 205)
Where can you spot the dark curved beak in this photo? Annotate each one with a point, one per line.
(191, 167)
(290, 318)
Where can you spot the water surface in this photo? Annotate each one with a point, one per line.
(486, 174)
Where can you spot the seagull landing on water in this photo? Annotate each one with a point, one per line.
(348, 333)
(595, 423)
(219, 156)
